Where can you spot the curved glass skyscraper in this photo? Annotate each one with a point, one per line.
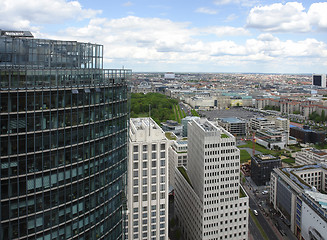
(63, 125)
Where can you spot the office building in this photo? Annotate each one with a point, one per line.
(147, 194)
(261, 167)
(299, 195)
(209, 201)
(319, 80)
(63, 140)
(307, 135)
(235, 126)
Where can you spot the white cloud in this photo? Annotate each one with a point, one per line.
(318, 15)
(206, 10)
(141, 41)
(279, 18)
(226, 31)
(128, 4)
(245, 3)
(26, 14)
(231, 17)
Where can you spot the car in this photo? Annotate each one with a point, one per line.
(255, 212)
(265, 192)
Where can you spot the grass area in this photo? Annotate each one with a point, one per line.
(170, 136)
(184, 173)
(321, 145)
(254, 218)
(176, 114)
(242, 193)
(223, 135)
(184, 114)
(288, 160)
(295, 148)
(259, 148)
(195, 113)
(244, 155)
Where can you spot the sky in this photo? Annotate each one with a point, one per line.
(241, 36)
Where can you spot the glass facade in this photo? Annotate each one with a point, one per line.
(63, 142)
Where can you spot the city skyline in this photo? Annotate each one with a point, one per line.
(207, 36)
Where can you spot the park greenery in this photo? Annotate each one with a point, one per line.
(161, 107)
(314, 116)
(195, 113)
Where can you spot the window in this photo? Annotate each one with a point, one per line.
(162, 146)
(154, 155)
(135, 148)
(135, 157)
(154, 147)
(162, 155)
(145, 148)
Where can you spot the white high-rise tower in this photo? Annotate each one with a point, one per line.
(147, 183)
(209, 200)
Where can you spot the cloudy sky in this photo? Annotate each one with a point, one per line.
(185, 35)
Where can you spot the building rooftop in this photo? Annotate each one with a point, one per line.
(141, 123)
(232, 120)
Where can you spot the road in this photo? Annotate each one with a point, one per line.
(254, 231)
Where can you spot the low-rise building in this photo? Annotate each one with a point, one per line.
(235, 126)
(307, 135)
(262, 166)
(259, 123)
(172, 126)
(271, 138)
(310, 156)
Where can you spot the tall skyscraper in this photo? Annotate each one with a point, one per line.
(147, 194)
(63, 140)
(319, 80)
(209, 201)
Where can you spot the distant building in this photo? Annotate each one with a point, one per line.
(235, 126)
(299, 195)
(307, 135)
(259, 123)
(147, 187)
(169, 76)
(172, 126)
(185, 123)
(310, 156)
(261, 167)
(209, 201)
(319, 80)
(177, 156)
(271, 138)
